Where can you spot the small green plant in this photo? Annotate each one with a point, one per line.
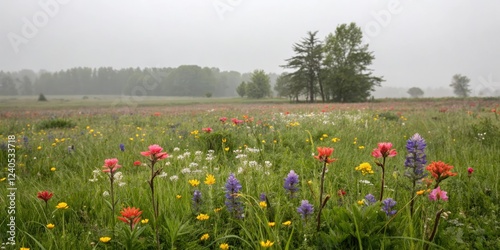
(41, 98)
(55, 123)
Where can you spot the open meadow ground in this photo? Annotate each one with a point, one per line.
(229, 174)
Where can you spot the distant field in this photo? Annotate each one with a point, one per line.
(227, 178)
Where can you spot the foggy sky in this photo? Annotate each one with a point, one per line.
(416, 43)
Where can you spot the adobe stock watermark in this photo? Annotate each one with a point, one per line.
(31, 26)
(151, 81)
(11, 202)
(224, 6)
(489, 86)
(381, 19)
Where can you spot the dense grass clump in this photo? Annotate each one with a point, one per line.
(252, 177)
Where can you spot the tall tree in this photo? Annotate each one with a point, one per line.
(307, 64)
(259, 86)
(415, 92)
(346, 63)
(7, 85)
(242, 89)
(460, 85)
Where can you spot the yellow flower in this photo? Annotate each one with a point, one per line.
(145, 221)
(52, 169)
(335, 139)
(3, 179)
(226, 149)
(24, 248)
(309, 182)
(224, 246)
(271, 224)
(420, 192)
(286, 223)
(361, 147)
(266, 244)
(210, 180)
(202, 217)
(224, 140)
(263, 141)
(178, 196)
(325, 135)
(105, 239)
(361, 202)
(205, 237)
(194, 182)
(364, 168)
(39, 147)
(263, 204)
(54, 144)
(62, 205)
(217, 209)
(131, 138)
(50, 226)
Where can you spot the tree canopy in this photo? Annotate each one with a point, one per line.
(337, 69)
(460, 85)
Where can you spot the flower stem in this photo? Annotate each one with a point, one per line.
(154, 202)
(383, 180)
(434, 229)
(321, 196)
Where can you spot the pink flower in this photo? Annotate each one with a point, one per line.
(110, 165)
(236, 121)
(438, 194)
(155, 153)
(384, 150)
(470, 170)
(223, 119)
(207, 130)
(137, 163)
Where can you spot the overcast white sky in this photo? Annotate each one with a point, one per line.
(416, 43)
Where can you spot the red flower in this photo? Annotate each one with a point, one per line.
(110, 165)
(384, 150)
(155, 153)
(324, 153)
(236, 121)
(440, 170)
(207, 130)
(341, 192)
(470, 171)
(223, 119)
(137, 163)
(130, 215)
(44, 195)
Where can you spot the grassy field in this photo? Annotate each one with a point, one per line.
(232, 183)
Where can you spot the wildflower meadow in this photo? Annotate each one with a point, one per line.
(380, 175)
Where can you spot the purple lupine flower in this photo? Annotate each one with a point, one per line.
(305, 209)
(122, 147)
(388, 204)
(262, 197)
(370, 199)
(196, 199)
(416, 158)
(291, 182)
(234, 206)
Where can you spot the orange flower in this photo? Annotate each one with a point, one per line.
(131, 216)
(324, 153)
(440, 171)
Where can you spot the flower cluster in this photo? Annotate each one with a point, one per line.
(291, 183)
(233, 204)
(364, 168)
(416, 158)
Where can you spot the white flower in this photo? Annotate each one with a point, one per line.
(118, 176)
(268, 164)
(121, 184)
(176, 149)
(180, 157)
(198, 153)
(174, 178)
(163, 174)
(105, 193)
(211, 151)
(186, 171)
(167, 163)
(193, 164)
(240, 170)
(241, 156)
(93, 180)
(253, 164)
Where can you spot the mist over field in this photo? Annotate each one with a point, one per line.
(94, 47)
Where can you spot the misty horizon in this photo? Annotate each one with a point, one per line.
(415, 44)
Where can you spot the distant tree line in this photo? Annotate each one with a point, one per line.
(185, 80)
